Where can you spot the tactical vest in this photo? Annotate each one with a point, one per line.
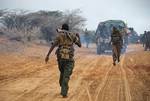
(65, 48)
(116, 37)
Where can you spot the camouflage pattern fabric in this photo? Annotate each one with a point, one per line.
(116, 49)
(65, 67)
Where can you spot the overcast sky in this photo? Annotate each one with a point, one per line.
(136, 13)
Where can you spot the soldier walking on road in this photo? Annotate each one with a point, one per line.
(117, 42)
(147, 40)
(143, 39)
(65, 53)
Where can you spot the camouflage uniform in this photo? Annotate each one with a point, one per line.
(117, 42)
(65, 53)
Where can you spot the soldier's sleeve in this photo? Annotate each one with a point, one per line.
(57, 40)
(77, 40)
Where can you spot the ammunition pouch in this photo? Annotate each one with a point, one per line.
(65, 52)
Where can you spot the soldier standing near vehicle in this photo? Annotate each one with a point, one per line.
(148, 33)
(144, 39)
(147, 40)
(65, 53)
(117, 42)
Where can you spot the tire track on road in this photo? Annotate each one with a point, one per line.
(115, 81)
(96, 66)
(90, 66)
(104, 83)
(127, 89)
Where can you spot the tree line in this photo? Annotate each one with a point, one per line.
(27, 26)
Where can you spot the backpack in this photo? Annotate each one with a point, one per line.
(66, 49)
(66, 52)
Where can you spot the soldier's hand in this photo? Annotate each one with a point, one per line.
(46, 59)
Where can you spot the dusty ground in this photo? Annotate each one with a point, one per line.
(25, 77)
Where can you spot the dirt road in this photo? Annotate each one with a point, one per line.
(25, 76)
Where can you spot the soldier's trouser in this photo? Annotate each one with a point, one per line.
(65, 67)
(116, 49)
(147, 46)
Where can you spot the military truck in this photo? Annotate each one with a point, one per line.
(103, 35)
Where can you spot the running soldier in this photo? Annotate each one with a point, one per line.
(117, 42)
(65, 53)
